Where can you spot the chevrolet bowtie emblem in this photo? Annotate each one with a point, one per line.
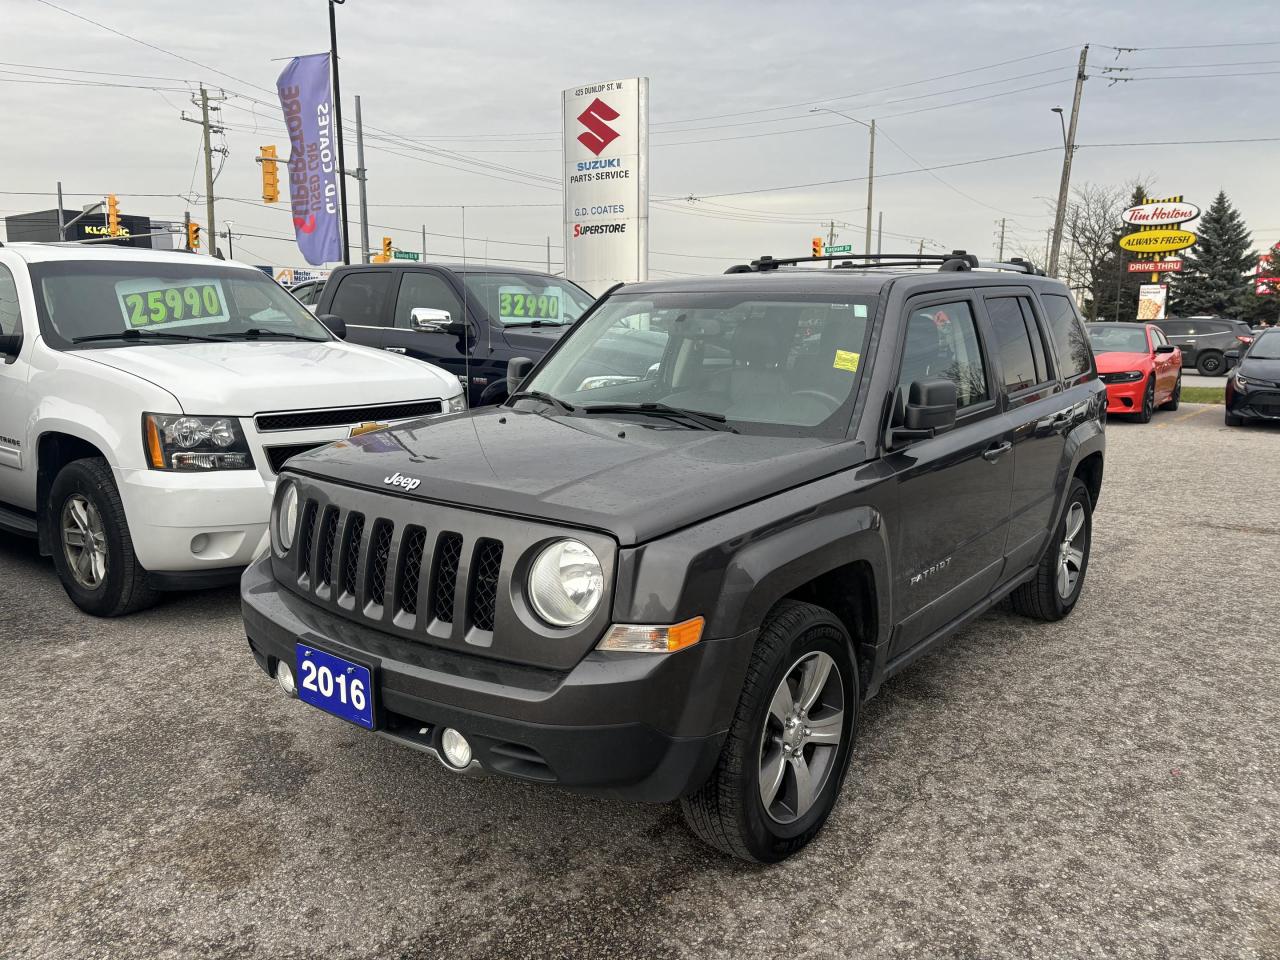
(367, 427)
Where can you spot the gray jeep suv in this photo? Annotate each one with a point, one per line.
(685, 583)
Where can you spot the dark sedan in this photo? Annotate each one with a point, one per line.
(1253, 390)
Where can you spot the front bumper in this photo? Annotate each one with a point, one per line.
(630, 726)
(1125, 397)
(196, 524)
(1253, 402)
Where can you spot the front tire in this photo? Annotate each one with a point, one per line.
(93, 551)
(1148, 402)
(1052, 593)
(784, 760)
(1232, 420)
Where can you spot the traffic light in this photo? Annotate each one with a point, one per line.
(113, 215)
(817, 246)
(270, 178)
(386, 249)
(193, 236)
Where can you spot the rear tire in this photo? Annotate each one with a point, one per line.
(1175, 398)
(729, 811)
(1052, 593)
(93, 551)
(1211, 363)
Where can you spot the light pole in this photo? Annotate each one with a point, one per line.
(871, 164)
(231, 254)
(1068, 151)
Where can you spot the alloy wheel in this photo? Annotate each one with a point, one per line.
(84, 541)
(801, 737)
(1071, 552)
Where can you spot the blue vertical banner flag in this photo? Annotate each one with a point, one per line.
(313, 157)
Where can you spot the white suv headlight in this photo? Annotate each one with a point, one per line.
(566, 583)
(456, 404)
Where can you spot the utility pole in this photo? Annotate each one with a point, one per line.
(361, 177)
(920, 252)
(880, 234)
(231, 254)
(337, 118)
(424, 243)
(1069, 149)
(1000, 255)
(831, 239)
(871, 182)
(186, 232)
(548, 254)
(209, 130)
(62, 228)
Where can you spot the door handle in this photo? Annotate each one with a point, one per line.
(394, 349)
(992, 454)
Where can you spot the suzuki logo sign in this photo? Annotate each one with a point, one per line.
(599, 134)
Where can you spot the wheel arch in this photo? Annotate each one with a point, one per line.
(54, 450)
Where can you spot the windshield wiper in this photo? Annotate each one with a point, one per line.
(544, 397)
(708, 421)
(128, 335)
(258, 334)
(534, 323)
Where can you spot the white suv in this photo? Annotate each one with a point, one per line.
(148, 399)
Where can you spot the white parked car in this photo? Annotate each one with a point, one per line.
(147, 400)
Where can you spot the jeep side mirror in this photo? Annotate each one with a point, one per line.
(334, 324)
(431, 320)
(1167, 348)
(10, 344)
(1232, 354)
(517, 369)
(931, 406)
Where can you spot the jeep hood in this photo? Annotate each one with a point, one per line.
(635, 478)
(249, 377)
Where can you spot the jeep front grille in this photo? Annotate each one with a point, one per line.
(419, 578)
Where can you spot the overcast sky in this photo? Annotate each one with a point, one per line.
(483, 80)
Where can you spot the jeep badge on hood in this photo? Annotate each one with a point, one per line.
(398, 479)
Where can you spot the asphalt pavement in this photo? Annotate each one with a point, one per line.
(1108, 786)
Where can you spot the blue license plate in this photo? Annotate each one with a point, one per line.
(336, 686)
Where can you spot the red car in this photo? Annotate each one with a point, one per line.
(1142, 370)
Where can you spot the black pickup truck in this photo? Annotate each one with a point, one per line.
(469, 319)
(684, 585)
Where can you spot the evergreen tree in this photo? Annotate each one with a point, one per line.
(1264, 309)
(1215, 277)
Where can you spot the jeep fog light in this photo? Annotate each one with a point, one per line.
(284, 677)
(652, 639)
(457, 752)
(566, 583)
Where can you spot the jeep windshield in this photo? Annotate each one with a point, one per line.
(787, 365)
(523, 299)
(104, 303)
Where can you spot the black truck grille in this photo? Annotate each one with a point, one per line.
(277, 456)
(344, 416)
(420, 579)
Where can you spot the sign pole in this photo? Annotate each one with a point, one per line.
(337, 118)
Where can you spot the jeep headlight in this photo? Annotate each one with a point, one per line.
(284, 520)
(180, 442)
(566, 583)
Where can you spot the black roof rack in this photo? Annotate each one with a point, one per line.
(955, 260)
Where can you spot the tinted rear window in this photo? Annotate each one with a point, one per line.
(1070, 341)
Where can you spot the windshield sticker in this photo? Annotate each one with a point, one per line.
(517, 303)
(847, 361)
(860, 310)
(155, 303)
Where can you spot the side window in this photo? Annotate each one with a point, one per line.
(1070, 341)
(425, 290)
(10, 318)
(1176, 328)
(1012, 343)
(942, 342)
(360, 297)
(1157, 338)
(1036, 336)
